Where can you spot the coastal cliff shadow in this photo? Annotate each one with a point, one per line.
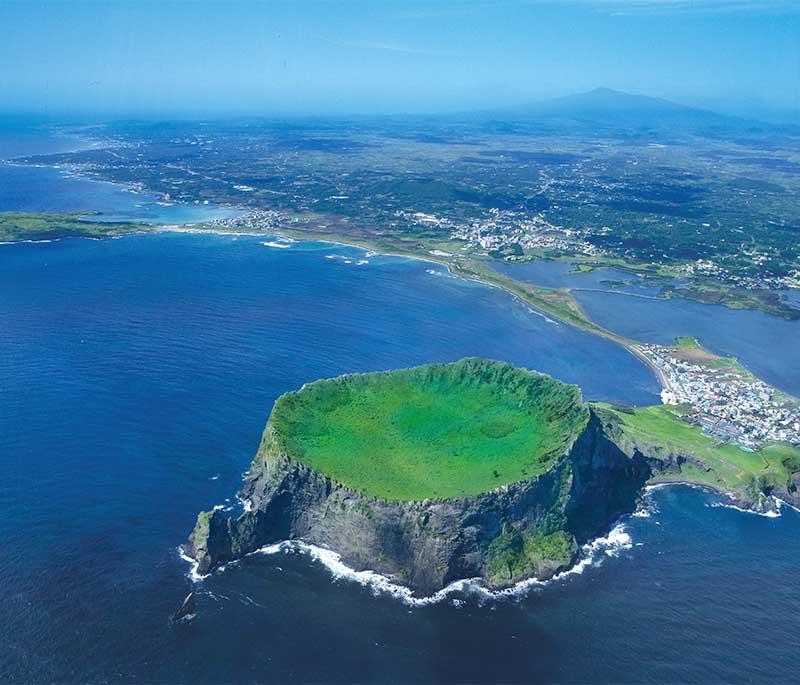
(606, 486)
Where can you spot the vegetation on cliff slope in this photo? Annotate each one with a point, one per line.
(436, 431)
(659, 431)
(514, 554)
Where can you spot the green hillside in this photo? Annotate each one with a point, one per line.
(658, 430)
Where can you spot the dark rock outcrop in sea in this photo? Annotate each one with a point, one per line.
(186, 610)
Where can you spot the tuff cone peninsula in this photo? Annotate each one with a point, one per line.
(474, 468)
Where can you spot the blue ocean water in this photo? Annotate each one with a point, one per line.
(136, 375)
(21, 137)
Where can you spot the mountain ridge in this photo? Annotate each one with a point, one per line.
(614, 107)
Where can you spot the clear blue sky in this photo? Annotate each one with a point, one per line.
(386, 56)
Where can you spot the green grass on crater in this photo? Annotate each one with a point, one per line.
(436, 431)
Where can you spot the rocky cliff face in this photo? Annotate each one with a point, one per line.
(528, 528)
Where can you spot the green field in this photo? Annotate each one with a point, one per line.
(436, 431)
(686, 342)
(726, 467)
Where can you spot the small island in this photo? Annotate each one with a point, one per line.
(472, 469)
(37, 226)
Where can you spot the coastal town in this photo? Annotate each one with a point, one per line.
(515, 235)
(261, 220)
(728, 402)
(708, 268)
(507, 233)
(502, 231)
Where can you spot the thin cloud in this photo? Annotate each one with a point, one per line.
(391, 47)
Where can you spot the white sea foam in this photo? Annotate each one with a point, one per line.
(277, 243)
(378, 583)
(683, 484)
(617, 540)
(773, 514)
(531, 310)
(441, 274)
(190, 228)
(766, 514)
(779, 503)
(346, 259)
(592, 554)
(19, 242)
(647, 507)
(193, 566)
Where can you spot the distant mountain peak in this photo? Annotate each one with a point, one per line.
(611, 109)
(615, 108)
(614, 100)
